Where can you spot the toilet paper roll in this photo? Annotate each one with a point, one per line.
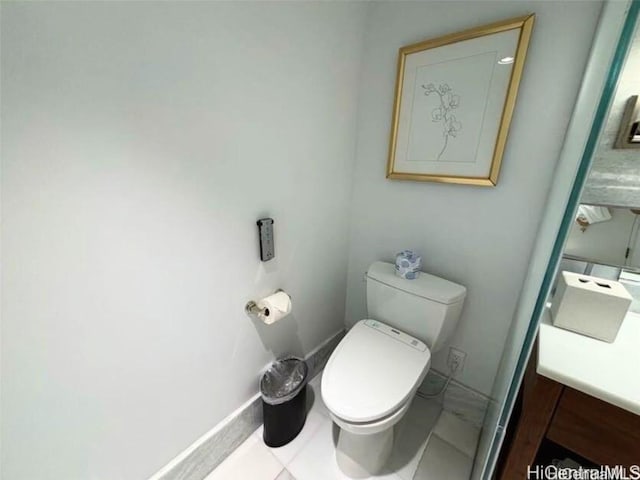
(274, 307)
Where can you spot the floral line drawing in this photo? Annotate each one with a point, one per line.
(442, 114)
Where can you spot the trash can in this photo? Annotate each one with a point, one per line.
(284, 395)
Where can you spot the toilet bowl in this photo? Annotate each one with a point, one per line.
(367, 386)
(373, 374)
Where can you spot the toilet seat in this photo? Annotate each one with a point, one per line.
(372, 375)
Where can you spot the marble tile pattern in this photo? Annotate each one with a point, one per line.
(199, 460)
(614, 179)
(450, 451)
(469, 405)
(285, 475)
(252, 460)
(443, 461)
(216, 447)
(243, 433)
(458, 433)
(430, 444)
(311, 455)
(615, 185)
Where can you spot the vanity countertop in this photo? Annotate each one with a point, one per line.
(608, 371)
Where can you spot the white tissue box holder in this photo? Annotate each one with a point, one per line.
(589, 305)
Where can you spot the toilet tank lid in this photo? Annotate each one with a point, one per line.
(426, 286)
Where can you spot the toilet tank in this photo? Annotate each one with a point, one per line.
(427, 308)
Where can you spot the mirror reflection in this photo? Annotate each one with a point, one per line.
(604, 240)
(605, 235)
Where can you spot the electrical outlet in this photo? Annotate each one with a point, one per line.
(456, 357)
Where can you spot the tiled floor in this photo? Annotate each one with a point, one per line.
(311, 456)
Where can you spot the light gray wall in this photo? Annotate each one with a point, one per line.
(614, 178)
(141, 141)
(479, 237)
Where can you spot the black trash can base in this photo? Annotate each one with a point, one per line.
(284, 401)
(283, 423)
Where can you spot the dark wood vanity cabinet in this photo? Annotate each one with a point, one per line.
(595, 430)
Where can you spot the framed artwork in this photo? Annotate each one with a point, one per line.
(454, 100)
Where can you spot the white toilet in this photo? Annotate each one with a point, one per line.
(373, 374)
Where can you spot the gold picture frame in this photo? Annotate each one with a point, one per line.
(466, 58)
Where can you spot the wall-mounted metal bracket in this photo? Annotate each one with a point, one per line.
(252, 307)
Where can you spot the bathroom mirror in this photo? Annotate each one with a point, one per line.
(614, 176)
(605, 227)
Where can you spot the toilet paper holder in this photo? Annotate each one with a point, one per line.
(252, 307)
